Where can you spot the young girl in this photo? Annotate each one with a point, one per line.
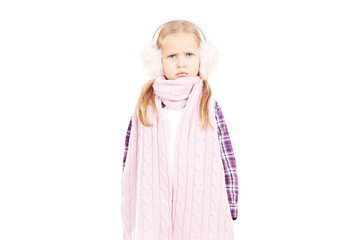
(179, 173)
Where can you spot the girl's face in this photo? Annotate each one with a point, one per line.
(180, 53)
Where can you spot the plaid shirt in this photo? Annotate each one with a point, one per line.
(227, 156)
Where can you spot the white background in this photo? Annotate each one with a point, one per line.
(287, 82)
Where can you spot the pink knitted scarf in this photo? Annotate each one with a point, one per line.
(174, 93)
(197, 206)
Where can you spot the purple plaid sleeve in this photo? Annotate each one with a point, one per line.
(228, 159)
(227, 156)
(127, 142)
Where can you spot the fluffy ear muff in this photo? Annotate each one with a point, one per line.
(151, 59)
(208, 59)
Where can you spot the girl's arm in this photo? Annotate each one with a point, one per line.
(127, 143)
(229, 162)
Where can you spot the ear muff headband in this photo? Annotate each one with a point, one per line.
(179, 20)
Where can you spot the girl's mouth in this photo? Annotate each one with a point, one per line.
(181, 74)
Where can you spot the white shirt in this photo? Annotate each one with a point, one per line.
(173, 118)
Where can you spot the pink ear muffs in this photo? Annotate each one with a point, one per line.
(151, 59)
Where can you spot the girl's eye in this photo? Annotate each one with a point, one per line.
(170, 56)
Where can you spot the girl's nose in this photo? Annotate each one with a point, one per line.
(181, 62)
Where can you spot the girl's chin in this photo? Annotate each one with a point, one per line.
(172, 78)
(182, 76)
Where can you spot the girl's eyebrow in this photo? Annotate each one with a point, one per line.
(172, 52)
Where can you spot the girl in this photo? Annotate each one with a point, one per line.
(179, 179)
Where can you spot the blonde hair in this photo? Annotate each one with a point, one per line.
(147, 95)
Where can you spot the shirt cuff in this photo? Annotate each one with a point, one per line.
(234, 211)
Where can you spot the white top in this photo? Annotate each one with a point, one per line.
(173, 118)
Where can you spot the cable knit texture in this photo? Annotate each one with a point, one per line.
(197, 207)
